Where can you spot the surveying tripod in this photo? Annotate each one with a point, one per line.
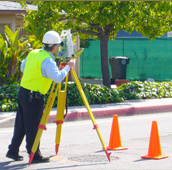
(60, 114)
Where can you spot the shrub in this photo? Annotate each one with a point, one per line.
(13, 49)
(145, 90)
(8, 97)
(95, 94)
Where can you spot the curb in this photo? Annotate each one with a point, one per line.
(105, 113)
(127, 108)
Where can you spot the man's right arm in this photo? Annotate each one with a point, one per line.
(50, 70)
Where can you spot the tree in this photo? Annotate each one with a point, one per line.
(101, 20)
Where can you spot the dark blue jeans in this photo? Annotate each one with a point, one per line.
(28, 117)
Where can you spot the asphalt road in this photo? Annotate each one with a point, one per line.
(80, 147)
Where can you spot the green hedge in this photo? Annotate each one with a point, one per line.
(8, 97)
(145, 90)
(95, 94)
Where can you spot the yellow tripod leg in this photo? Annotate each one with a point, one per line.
(60, 113)
(89, 111)
(44, 120)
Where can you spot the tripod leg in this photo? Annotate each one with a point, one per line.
(89, 110)
(44, 120)
(60, 113)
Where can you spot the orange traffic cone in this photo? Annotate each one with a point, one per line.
(115, 139)
(154, 151)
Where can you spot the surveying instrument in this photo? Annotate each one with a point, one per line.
(66, 52)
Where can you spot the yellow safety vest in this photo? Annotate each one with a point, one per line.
(32, 77)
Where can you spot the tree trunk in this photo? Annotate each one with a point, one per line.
(104, 61)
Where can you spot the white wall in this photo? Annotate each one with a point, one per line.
(7, 20)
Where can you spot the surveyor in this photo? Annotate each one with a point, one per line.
(39, 70)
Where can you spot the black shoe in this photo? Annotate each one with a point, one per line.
(14, 156)
(40, 159)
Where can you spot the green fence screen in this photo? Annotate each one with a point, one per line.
(148, 59)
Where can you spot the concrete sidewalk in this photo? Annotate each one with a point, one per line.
(125, 108)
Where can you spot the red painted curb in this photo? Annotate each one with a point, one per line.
(110, 112)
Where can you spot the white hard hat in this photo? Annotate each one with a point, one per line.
(51, 37)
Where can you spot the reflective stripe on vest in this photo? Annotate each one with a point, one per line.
(32, 77)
